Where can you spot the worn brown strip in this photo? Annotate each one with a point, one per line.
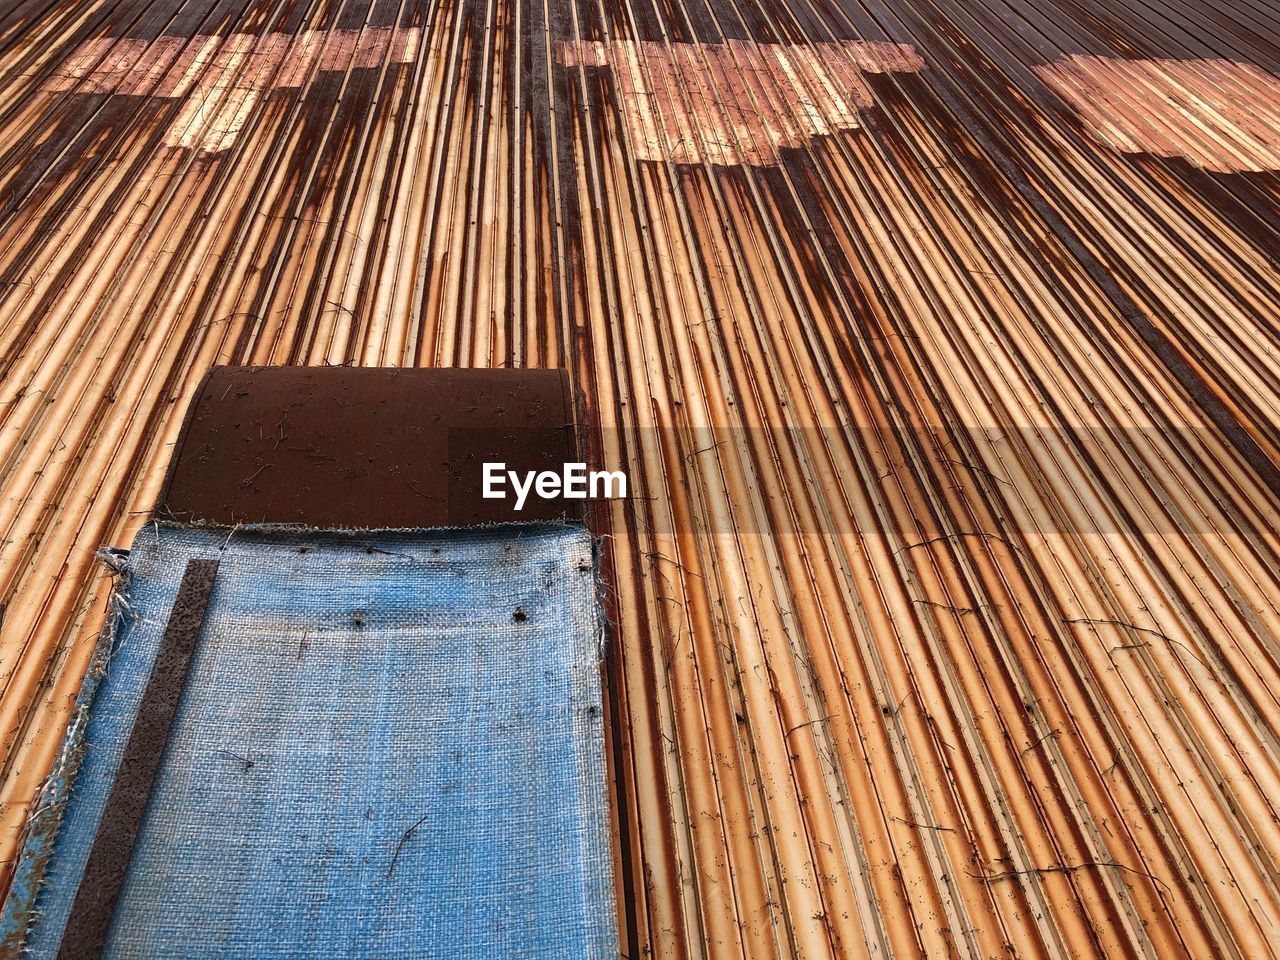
(104, 874)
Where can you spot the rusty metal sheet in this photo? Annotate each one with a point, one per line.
(939, 341)
(352, 447)
(1221, 115)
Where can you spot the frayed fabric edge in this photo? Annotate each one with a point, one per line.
(41, 829)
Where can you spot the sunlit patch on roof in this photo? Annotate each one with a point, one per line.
(1221, 115)
(737, 102)
(221, 79)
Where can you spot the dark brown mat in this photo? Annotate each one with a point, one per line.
(336, 447)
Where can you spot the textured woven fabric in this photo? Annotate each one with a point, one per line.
(389, 745)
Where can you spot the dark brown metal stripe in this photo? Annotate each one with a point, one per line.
(104, 874)
(367, 447)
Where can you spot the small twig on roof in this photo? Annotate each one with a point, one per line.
(807, 723)
(975, 469)
(1064, 868)
(1119, 623)
(957, 535)
(404, 838)
(923, 826)
(1054, 733)
(1130, 646)
(1137, 629)
(253, 476)
(227, 542)
(690, 457)
(235, 756)
(652, 554)
(951, 606)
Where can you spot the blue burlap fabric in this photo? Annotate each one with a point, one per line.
(389, 745)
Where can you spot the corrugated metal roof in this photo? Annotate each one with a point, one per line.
(947, 602)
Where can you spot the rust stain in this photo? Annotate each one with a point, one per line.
(737, 102)
(1221, 115)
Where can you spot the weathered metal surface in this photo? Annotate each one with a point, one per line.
(1003, 676)
(766, 96)
(231, 72)
(1221, 115)
(353, 447)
